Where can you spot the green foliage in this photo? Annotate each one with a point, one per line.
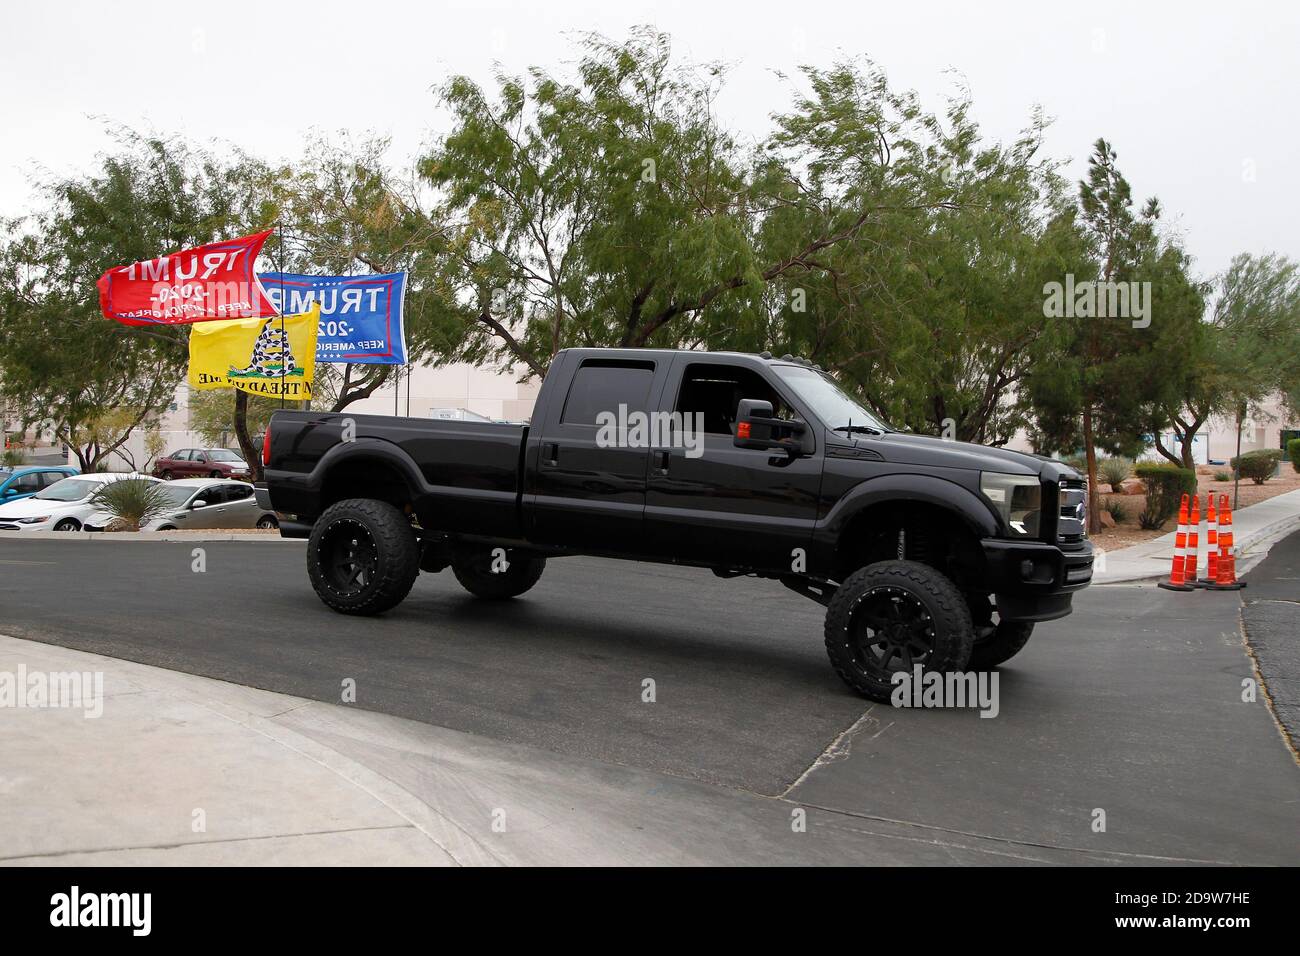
(212, 414)
(1114, 470)
(12, 457)
(1293, 452)
(1223, 476)
(1116, 508)
(1165, 484)
(605, 204)
(88, 380)
(131, 502)
(1112, 370)
(1259, 465)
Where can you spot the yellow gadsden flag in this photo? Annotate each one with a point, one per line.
(274, 357)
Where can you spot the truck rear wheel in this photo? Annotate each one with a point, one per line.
(513, 575)
(362, 556)
(890, 616)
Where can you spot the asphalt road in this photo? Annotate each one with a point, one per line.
(1272, 620)
(1131, 706)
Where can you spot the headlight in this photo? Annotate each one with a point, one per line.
(36, 520)
(1017, 498)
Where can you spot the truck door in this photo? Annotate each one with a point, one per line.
(723, 505)
(588, 494)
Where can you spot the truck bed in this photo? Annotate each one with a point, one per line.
(469, 471)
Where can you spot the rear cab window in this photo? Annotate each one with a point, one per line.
(603, 385)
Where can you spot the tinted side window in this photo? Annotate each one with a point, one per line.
(602, 386)
(238, 492)
(50, 477)
(214, 495)
(715, 391)
(28, 482)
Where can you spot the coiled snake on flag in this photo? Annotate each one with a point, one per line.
(272, 356)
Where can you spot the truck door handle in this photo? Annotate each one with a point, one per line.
(661, 462)
(550, 453)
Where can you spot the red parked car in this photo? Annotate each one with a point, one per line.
(201, 463)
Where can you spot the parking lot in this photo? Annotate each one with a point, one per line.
(1132, 706)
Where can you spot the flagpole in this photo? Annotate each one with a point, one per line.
(279, 226)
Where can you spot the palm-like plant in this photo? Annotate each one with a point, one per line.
(131, 502)
(1114, 470)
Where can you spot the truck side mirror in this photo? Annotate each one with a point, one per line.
(757, 428)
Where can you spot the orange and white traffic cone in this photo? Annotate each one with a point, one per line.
(1178, 572)
(1211, 543)
(1193, 542)
(1226, 578)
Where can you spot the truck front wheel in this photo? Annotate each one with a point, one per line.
(362, 556)
(495, 573)
(889, 617)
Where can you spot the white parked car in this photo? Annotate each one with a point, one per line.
(63, 506)
(202, 503)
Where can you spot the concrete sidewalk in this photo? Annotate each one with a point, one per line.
(1254, 530)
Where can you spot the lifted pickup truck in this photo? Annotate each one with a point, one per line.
(924, 551)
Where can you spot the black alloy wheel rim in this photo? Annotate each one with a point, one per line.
(890, 630)
(349, 557)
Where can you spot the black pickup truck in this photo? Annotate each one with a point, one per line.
(924, 551)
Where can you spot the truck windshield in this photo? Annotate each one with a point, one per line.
(827, 400)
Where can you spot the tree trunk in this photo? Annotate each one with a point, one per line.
(364, 387)
(1094, 502)
(1166, 453)
(251, 455)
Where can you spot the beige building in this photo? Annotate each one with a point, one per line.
(421, 391)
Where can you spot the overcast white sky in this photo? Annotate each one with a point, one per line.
(1199, 99)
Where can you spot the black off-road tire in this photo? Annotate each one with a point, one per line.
(362, 556)
(473, 569)
(929, 609)
(1007, 640)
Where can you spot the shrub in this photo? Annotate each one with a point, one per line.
(1114, 470)
(1166, 485)
(132, 502)
(12, 457)
(1223, 476)
(1259, 465)
(1293, 452)
(1115, 507)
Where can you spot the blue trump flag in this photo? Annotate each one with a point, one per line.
(360, 316)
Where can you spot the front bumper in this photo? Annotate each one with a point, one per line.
(1033, 580)
(12, 525)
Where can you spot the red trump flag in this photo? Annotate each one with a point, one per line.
(216, 281)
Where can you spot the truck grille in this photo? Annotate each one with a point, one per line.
(1072, 523)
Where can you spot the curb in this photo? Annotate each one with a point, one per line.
(1245, 543)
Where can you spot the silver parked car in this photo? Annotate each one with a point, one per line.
(203, 503)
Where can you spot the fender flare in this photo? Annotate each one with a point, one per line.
(374, 449)
(977, 515)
